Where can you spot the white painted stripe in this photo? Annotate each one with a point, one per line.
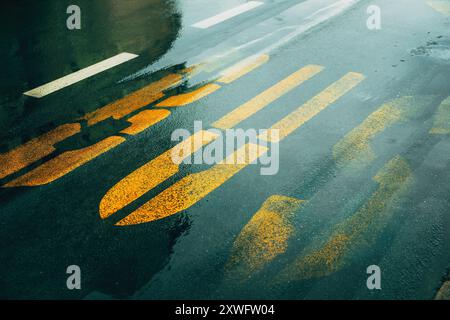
(221, 17)
(82, 74)
(313, 20)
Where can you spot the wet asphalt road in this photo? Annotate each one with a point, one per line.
(371, 169)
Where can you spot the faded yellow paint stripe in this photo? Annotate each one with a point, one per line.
(64, 163)
(444, 292)
(191, 189)
(441, 123)
(355, 146)
(314, 106)
(35, 149)
(268, 96)
(150, 175)
(136, 100)
(441, 6)
(358, 231)
(190, 97)
(264, 237)
(144, 120)
(242, 68)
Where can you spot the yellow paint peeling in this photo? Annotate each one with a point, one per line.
(355, 146)
(359, 230)
(441, 123)
(264, 237)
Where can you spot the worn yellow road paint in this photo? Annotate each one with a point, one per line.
(358, 231)
(355, 146)
(442, 6)
(134, 101)
(268, 96)
(190, 97)
(191, 189)
(192, 70)
(444, 292)
(441, 123)
(144, 120)
(64, 163)
(242, 68)
(314, 106)
(264, 237)
(150, 175)
(35, 149)
(229, 75)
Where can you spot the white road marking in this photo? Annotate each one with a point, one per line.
(315, 19)
(79, 75)
(221, 17)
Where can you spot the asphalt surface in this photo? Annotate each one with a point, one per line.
(364, 181)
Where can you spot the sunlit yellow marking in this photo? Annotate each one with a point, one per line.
(268, 96)
(150, 175)
(444, 292)
(356, 144)
(134, 101)
(144, 120)
(442, 6)
(240, 69)
(218, 62)
(35, 149)
(311, 108)
(192, 70)
(264, 237)
(190, 97)
(442, 119)
(64, 163)
(357, 231)
(191, 189)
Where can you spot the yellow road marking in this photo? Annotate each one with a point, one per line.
(35, 149)
(64, 163)
(264, 237)
(134, 101)
(242, 68)
(190, 97)
(268, 96)
(150, 175)
(356, 144)
(217, 62)
(359, 230)
(442, 6)
(444, 292)
(442, 119)
(229, 75)
(144, 120)
(40, 147)
(311, 108)
(191, 189)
